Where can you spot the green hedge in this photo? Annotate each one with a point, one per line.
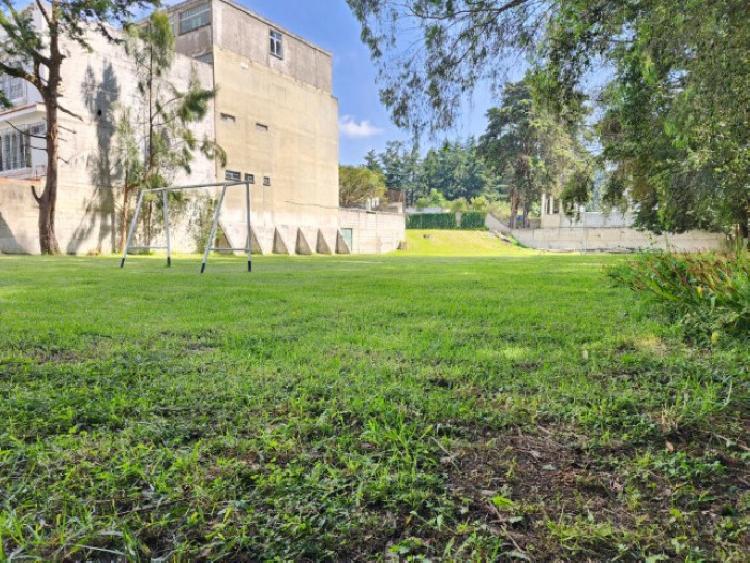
(473, 220)
(431, 221)
(469, 220)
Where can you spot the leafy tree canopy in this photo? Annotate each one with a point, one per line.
(357, 184)
(675, 130)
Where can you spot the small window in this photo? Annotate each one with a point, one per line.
(16, 147)
(261, 126)
(277, 44)
(233, 176)
(12, 87)
(266, 180)
(228, 117)
(555, 206)
(207, 58)
(193, 18)
(250, 178)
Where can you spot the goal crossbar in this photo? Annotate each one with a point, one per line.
(214, 224)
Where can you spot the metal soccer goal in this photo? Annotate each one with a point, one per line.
(214, 225)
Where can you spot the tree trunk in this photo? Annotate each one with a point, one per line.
(48, 200)
(124, 217)
(50, 92)
(513, 208)
(526, 210)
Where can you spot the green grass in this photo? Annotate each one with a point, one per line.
(464, 243)
(361, 407)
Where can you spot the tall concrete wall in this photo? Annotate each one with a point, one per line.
(281, 129)
(246, 33)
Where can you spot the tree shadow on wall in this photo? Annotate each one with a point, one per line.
(100, 97)
(10, 244)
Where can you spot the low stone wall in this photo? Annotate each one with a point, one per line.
(591, 239)
(618, 239)
(373, 232)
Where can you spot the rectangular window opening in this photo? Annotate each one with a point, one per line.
(233, 176)
(277, 44)
(250, 178)
(12, 87)
(16, 146)
(193, 18)
(266, 180)
(228, 117)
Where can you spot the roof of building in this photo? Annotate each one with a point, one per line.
(258, 17)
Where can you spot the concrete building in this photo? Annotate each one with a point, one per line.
(274, 113)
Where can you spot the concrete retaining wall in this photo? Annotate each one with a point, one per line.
(373, 232)
(585, 239)
(83, 220)
(87, 221)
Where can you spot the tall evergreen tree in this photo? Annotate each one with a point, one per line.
(534, 152)
(156, 140)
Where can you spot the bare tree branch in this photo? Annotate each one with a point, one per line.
(36, 197)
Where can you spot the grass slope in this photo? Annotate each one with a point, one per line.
(459, 243)
(348, 408)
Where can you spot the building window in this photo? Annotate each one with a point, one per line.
(12, 87)
(207, 58)
(266, 180)
(250, 178)
(277, 44)
(15, 147)
(555, 206)
(233, 176)
(193, 18)
(228, 117)
(261, 127)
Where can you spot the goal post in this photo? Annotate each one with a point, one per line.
(214, 223)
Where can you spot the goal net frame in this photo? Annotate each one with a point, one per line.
(214, 224)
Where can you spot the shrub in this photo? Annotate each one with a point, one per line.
(708, 295)
(459, 205)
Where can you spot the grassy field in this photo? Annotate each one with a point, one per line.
(360, 408)
(434, 242)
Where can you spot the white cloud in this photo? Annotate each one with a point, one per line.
(354, 129)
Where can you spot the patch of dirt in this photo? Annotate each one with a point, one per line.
(551, 476)
(547, 476)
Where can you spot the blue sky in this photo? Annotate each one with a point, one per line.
(365, 123)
